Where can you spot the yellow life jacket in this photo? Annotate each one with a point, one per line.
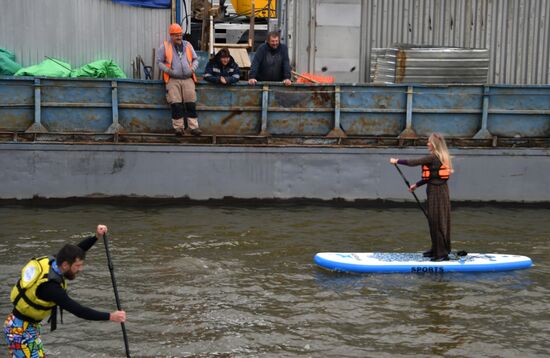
(23, 294)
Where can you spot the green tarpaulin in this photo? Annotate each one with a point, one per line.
(99, 69)
(56, 68)
(8, 66)
(47, 68)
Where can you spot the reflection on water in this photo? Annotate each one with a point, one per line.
(217, 281)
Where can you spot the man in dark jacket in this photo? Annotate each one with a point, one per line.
(271, 62)
(222, 69)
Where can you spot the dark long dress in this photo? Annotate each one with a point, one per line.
(438, 207)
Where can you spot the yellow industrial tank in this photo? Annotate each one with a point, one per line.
(244, 7)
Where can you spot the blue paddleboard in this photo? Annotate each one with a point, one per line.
(415, 262)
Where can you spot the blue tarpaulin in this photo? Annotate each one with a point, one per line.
(159, 4)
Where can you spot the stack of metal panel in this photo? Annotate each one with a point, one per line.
(437, 65)
(382, 65)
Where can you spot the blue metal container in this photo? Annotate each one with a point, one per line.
(332, 110)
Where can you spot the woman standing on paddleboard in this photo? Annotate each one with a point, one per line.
(436, 170)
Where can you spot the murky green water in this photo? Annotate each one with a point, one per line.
(225, 281)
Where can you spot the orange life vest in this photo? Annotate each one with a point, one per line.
(168, 54)
(435, 172)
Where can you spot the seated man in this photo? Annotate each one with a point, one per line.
(271, 62)
(222, 69)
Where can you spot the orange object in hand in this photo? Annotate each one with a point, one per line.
(311, 78)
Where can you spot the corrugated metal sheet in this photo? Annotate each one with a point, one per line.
(412, 64)
(517, 32)
(81, 31)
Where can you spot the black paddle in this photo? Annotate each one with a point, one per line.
(412, 192)
(111, 270)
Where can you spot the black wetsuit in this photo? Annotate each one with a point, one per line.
(53, 292)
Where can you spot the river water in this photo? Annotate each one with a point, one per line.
(239, 281)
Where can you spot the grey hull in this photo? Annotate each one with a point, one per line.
(217, 172)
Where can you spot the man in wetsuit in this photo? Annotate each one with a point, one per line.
(41, 289)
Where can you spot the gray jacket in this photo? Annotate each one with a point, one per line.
(180, 65)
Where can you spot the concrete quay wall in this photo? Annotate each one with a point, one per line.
(216, 172)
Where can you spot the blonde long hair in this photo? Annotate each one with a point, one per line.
(440, 150)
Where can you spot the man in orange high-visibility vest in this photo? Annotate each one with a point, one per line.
(178, 60)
